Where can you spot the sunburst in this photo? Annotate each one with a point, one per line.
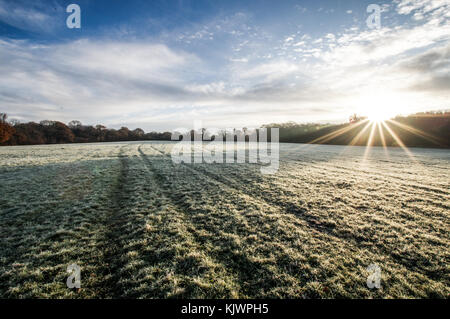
(377, 122)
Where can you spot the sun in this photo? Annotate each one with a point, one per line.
(381, 107)
(378, 115)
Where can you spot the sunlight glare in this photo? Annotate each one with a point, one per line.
(381, 107)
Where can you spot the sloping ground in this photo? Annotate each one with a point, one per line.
(140, 226)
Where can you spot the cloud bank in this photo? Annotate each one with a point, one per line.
(168, 81)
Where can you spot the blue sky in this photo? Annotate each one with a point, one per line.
(163, 64)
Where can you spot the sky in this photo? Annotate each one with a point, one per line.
(161, 65)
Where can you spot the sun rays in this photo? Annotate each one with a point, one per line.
(418, 132)
(324, 139)
(377, 130)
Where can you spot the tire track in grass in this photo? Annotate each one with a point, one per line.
(116, 223)
(238, 192)
(127, 256)
(229, 180)
(233, 178)
(254, 277)
(236, 187)
(109, 287)
(220, 282)
(240, 186)
(125, 239)
(195, 272)
(397, 257)
(179, 202)
(124, 230)
(421, 264)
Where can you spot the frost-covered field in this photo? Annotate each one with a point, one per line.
(139, 225)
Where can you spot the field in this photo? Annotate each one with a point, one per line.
(140, 226)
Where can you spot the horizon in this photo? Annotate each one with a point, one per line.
(161, 65)
(336, 123)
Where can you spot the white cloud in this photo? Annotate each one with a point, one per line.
(251, 81)
(299, 44)
(425, 6)
(36, 16)
(89, 78)
(243, 60)
(330, 37)
(269, 71)
(288, 39)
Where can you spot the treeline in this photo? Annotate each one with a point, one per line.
(54, 132)
(428, 129)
